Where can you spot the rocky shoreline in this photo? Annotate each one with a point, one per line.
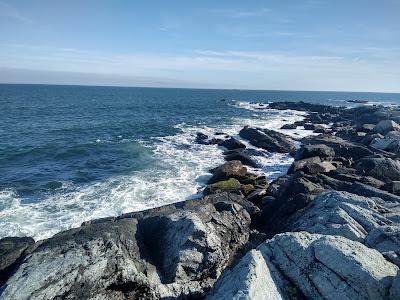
(328, 229)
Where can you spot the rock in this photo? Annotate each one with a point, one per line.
(369, 191)
(309, 126)
(393, 187)
(242, 157)
(11, 252)
(269, 140)
(365, 128)
(320, 150)
(256, 196)
(232, 144)
(247, 189)
(371, 137)
(229, 185)
(168, 252)
(366, 220)
(305, 106)
(289, 126)
(230, 169)
(385, 126)
(384, 169)
(204, 139)
(251, 278)
(312, 165)
(390, 142)
(342, 148)
(312, 266)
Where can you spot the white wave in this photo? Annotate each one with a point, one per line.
(180, 170)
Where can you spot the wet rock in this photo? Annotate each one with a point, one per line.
(230, 169)
(312, 165)
(232, 144)
(269, 140)
(242, 157)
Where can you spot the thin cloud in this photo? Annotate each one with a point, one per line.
(239, 14)
(11, 12)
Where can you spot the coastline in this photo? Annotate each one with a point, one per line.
(341, 194)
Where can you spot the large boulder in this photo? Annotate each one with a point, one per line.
(386, 126)
(370, 221)
(230, 169)
(384, 169)
(177, 251)
(342, 148)
(390, 142)
(269, 140)
(312, 266)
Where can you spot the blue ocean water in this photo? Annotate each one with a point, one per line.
(73, 153)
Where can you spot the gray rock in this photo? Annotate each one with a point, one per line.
(297, 265)
(390, 142)
(312, 165)
(385, 126)
(384, 169)
(173, 251)
(11, 251)
(320, 150)
(367, 220)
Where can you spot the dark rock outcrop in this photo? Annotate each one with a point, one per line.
(232, 144)
(269, 140)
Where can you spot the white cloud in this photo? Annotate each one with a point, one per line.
(226, 69)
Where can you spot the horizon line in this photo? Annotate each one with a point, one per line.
(196, 88)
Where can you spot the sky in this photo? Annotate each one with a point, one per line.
(351, 45)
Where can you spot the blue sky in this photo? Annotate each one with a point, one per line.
(349, 45)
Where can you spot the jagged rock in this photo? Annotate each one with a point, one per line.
(342, 148)
(269, 140)
(384, 169)
(230, 169)
(320, 150)
(174, 251)
(232, 144)
(385, 126)
(313, 266)
(367, 220)
(11, 251)
(312, 165)
(390, 142)
(309, 126)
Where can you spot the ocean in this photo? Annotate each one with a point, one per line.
(69, 154)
